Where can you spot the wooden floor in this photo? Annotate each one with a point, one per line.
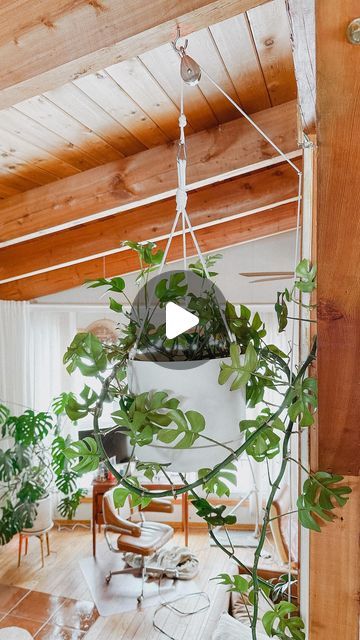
(62, 577)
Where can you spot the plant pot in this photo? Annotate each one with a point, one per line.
(196, 388)
(43, 518)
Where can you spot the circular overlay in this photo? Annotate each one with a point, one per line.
(155, 317)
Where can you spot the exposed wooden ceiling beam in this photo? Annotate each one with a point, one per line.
(213, 155)
(48, 43)
(230, 233)
(302, 24)
(260, 190)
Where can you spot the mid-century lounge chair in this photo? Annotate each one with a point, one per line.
(143, 538)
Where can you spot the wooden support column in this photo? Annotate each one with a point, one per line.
(334, 553)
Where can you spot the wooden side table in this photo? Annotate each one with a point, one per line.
(101, 487)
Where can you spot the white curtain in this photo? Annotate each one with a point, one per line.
(15, 384)
(259, 473)
(50, 334)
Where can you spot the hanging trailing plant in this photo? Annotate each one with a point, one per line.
(248, 366)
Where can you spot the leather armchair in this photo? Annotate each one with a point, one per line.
(143, 538)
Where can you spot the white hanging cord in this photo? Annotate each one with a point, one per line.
(253, 124)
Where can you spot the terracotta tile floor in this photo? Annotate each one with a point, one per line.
(46, 617)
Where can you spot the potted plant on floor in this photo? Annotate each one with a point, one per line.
(154, 416)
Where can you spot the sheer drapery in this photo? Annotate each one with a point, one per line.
(15, 383)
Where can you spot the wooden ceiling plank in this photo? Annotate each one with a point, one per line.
(203, 49)
(239, 54)
(198, 112)
(12, 147)
(270, 28)
(13, 180)
(223, 199)
(213, 155)
(135, 79)
(31, 131)
(16, 165)
(105, 92)
(59, 122)
(68, 39)
(227, 234)
(302, 25)
(79, 106)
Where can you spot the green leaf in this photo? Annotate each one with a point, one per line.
(171, 288)
(267, 442)
(302, 401)
(281, 309)
(58, 405)
(214, 516)
(115, 306)
(87, 354)
(241, 372)
(307, 276)
(86, 452)
(319, 497)
(30, 427)
(68, 505)
(282, 623)
(77, 410)
(219, 484)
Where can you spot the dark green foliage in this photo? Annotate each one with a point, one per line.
(267, 442)
(278, 623)
(87, 354)
(214, 516)
(320, 497)
(218, 484)
(86, 451)
(68, 505)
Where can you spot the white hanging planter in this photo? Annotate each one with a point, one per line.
(43, 520)
(196, 388)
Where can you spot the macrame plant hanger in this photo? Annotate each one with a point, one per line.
(191, 73)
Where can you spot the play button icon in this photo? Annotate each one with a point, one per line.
(178, 320)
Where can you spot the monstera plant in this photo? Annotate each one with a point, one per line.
(248, 366)
(29, 467)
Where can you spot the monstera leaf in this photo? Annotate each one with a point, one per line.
(7, 465)
(302, 402)
(30, 427)
(171, 288)
(87, 354)
(320, 496)
(282, 623)
(66, 482)
(240, 371)
(59, 460)
(218, 484)
(212, 515)
(77, 410)
(86, 451)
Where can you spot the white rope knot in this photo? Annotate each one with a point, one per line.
(182, 121)
(181, 200)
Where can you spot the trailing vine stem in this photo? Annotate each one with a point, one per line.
(266, 520)
(200, 481)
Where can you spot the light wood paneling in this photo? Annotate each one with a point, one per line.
(335, 571)
(134, 103)
(59, 122)
(270, 29)
(240, 195)
(302, 22)
(216, 154)
(47, 44)
(235, 43)
(338, 239)
(226, 234)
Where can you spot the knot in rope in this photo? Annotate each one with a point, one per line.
(181, 200)
(182, 121)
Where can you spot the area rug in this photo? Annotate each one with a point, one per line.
(120, 594)
(238, 538)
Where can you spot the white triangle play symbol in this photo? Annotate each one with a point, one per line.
(178, 320)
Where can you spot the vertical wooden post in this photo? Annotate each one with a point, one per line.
(334, 554)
